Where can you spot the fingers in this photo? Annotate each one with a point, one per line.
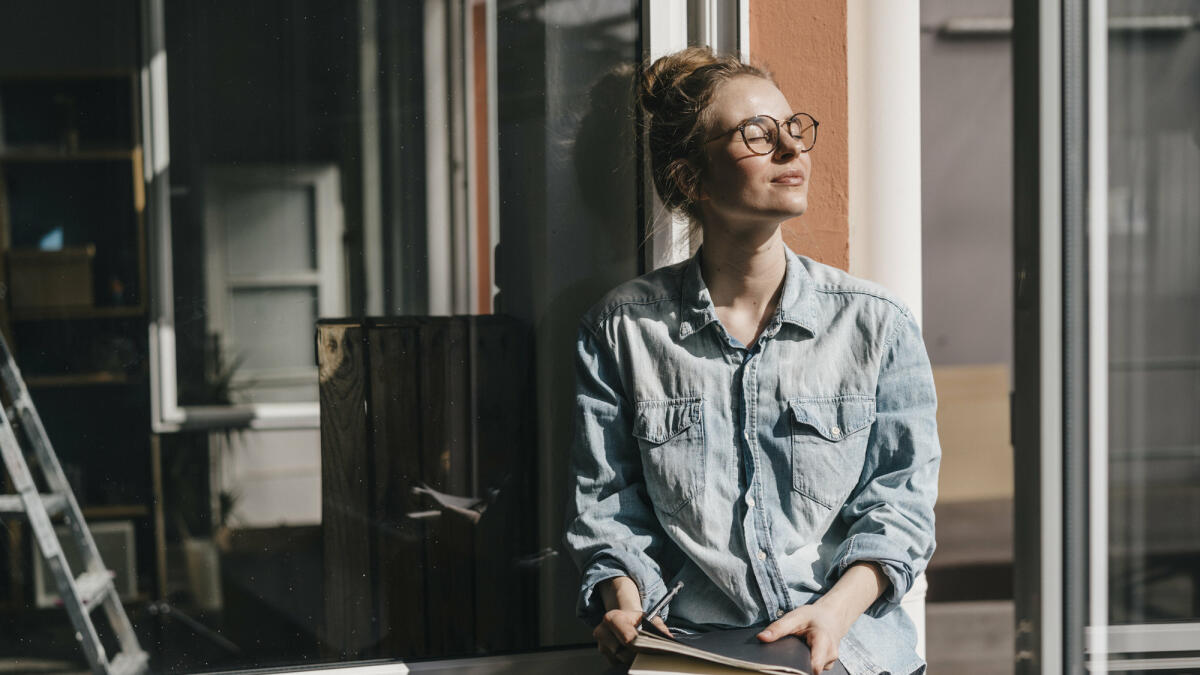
(605, 643)
(613, 635)
(790, 623)
(611, 646)
(823, 649)
(800, 621)
(622, 624)
(660, 624)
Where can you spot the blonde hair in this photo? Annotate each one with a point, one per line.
(674, 94)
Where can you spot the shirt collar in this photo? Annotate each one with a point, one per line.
(796, 304)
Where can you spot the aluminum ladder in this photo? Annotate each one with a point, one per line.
(82, 594)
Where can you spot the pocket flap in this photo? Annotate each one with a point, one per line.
(834, 418)
(659, 421)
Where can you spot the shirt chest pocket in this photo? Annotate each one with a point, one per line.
(670, 434)
(829, 444)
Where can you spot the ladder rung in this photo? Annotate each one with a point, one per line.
(92, 587)
(129, 663)
(12, 504)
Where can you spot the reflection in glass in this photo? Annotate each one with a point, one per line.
(1154, 315)
(269, 230)
(326, 160)
(274, 323)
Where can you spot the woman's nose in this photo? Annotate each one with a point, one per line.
(787, 146)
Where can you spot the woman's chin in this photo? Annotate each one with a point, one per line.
(794, 208)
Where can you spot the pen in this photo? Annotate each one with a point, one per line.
(658, 606)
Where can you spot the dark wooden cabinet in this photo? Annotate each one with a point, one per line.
(444, 403)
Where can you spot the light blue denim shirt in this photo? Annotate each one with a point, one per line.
(755, 475)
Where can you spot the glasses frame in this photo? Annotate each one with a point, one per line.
(741, 129)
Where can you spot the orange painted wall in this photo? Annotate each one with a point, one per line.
(803, 43)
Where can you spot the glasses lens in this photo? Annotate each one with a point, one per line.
(803, 128)
(759, 134)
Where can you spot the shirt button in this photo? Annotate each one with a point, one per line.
(749, 501)
(762, 555)
(835, 432)
(778, 613)
(746, 434)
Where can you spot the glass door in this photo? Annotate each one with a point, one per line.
(1153, 333)
(1107, 334)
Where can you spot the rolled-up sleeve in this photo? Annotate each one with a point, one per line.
(611, 530)
(890, 512)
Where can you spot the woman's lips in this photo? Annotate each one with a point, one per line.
(794, 178)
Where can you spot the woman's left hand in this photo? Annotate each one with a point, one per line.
(821, 626)
(825, 622)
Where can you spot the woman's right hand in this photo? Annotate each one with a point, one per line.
(620, 624)
(617, 630)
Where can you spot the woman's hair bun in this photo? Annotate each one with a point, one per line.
(674, 92)
(663, 80)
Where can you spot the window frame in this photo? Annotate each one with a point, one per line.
(665, 27)
(671, 25)
(166, 414)
(327, 278)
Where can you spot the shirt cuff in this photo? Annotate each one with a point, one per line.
(892, 560)
(609, 565)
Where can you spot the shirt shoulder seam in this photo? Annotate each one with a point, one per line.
(887, 346)
(862, 291)
(607, 313)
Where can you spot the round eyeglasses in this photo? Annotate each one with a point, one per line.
(761, 133)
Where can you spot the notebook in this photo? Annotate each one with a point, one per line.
(731, 649)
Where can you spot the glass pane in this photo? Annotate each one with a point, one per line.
(268, 229)
(566, 146)
(473, 201)
(271, 328)
(1154, 312)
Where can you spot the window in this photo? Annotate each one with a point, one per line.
(303, 163)
(465, 173)
(273, 240)
(1106, 349)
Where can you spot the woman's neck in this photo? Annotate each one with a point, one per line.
(744, 273)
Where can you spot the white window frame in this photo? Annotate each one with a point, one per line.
(166, 415)
(326, 279)
(668, 26)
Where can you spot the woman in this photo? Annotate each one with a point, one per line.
(753, 423)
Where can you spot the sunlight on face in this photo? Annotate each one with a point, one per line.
(740, 189)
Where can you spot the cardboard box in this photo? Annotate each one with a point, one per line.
(51, 279)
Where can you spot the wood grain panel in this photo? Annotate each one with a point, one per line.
(345, 492)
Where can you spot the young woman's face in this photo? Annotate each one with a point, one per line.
(737, 186)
